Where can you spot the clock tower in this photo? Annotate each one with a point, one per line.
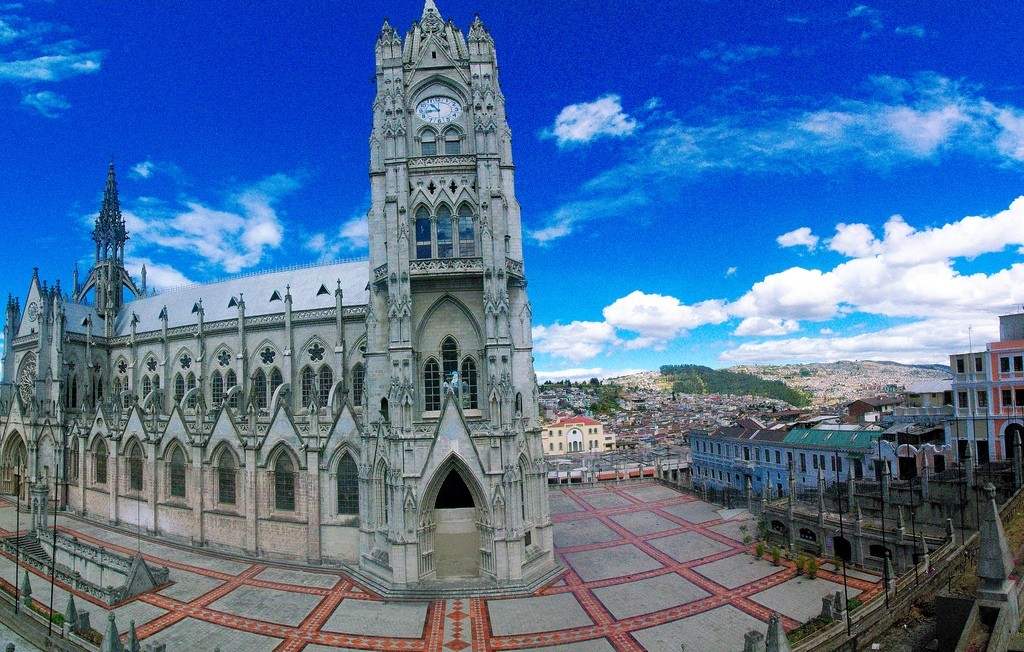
(453, 482)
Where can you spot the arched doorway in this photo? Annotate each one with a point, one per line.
(15, 467)
(456, 537)
(1011, 431)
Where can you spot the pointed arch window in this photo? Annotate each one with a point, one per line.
(276, 380)
(358, 383)
(230, 380)
(467, 236)
(117, 387)
(452, 142)
(190, 384)
(284, 483)
(135, 468)
(326, 382)
(449, 357)
(179, 388)
(444, 232)
(423, 239)
(74, 391)
(147, 386)
(100, 462)
(177, 473)
(259, 389)
(308, 386)
(431, 386)
(348, 485)
(226, 478)
(428, 143)
(217, 387)
(468, 385)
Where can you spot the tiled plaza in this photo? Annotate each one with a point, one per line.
(647, 569)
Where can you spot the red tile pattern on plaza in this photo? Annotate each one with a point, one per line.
(457, 625)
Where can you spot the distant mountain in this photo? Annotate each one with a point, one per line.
(695, 379)
(845, 380)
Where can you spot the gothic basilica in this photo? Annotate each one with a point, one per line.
(379, 416)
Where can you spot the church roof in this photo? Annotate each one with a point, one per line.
(311, 288)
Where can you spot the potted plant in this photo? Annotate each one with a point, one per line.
(759, 550)
(812, 568)
(776, 555)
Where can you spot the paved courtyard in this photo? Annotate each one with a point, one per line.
(647, 569)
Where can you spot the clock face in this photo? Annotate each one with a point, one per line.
(438, 110)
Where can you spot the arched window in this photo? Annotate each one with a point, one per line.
(98, 388)
(259, 389)
(308, 383)
(348, 486)
(423, 248)
(326, 382)
(276, 380)
(284, 483)
(177, 473)
(467, 238)
(358, 383)
(467, 384)
(431, 386)
(217, 386)
(452, 142)
(147, 386)
(117, 388)
(190, 384)
(135, 468)
(444, 232)
(226, 478)
(449, 358)
(428, 143)
(179, 388)
(230, 380)
(100, 462)
(74, 391)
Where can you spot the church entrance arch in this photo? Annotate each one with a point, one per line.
(14, 467)
(454, 511)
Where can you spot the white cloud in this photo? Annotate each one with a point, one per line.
(564, 221)
(577, 341)
(232, 238)
(583, 122)
(853, 240)
(577, 374)
(352, 236)
(801, 237)
(927, 341)
(896, 121)
(51, 68)
(659, 317)
(48, 103)
(143, 170)
(731, 271)
(159, 276)
(723, 56)
(761, 327)
(917, 31)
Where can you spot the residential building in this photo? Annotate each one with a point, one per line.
(576, 434)
(988, 395)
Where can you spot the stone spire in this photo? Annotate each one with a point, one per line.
(110, 233)
(428, 7)
(776, 640)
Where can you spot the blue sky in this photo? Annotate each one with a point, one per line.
(710, 182)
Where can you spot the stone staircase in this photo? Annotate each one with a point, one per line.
(461, 587)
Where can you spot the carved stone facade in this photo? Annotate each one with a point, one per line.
(309, 414)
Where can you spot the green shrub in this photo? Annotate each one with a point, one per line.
(760, 549)
(812, 568)
(776, 555)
